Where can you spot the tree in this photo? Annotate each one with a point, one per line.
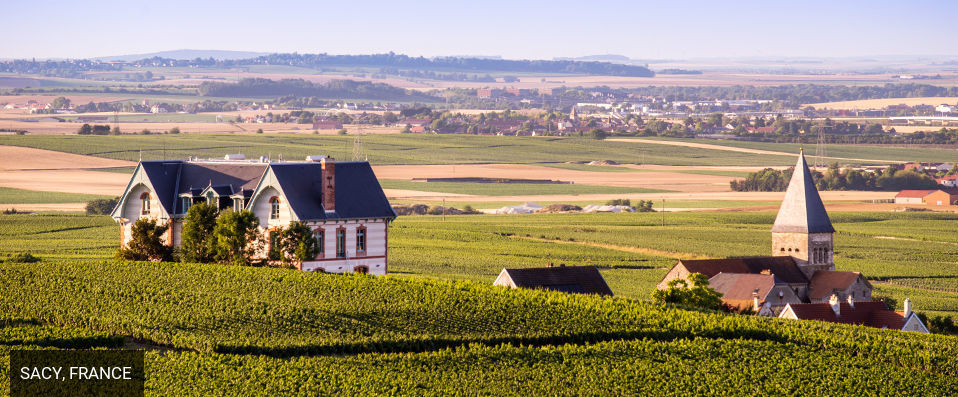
(237, 237)
(61, 103)
(390, 117)
(693, 291)
(175, 130)
(85, 129)
(146, 242)
(199, 243)
(115, 130)
(596, 133)
(297, 243)
(101, 206)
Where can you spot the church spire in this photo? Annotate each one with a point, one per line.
(802, 210)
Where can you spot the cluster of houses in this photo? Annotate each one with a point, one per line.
(345, 206)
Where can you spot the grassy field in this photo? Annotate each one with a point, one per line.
(883, 103)
(10, 195)
(444, 149)
(508, 189)
(390, 149)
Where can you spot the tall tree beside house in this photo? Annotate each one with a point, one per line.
(237, 237)
(297, 243)
(694, 292)
(199, 243)
(146, 242)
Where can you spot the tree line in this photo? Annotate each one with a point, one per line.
(836, 178)
(345, 89)
(229, 237)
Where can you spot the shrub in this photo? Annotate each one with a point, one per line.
(237, 237)
(341, 132)
(175, 130)
(146, 242)
(101, 206)
(199, 244)
(22, 257)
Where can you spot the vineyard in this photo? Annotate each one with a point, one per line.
(255, 331)
(437, 324)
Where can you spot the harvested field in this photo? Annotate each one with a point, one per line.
(728, 148)
(885, 102)
(50, 171)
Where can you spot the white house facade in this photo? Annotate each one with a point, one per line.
(342, 203)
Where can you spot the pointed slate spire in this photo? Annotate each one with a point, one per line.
(802, 210)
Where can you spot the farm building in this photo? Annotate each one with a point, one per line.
(871, 314)
(927, 197)
(572, 279)
(341, 201)
(801, 268)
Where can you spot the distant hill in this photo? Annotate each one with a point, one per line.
(614, 58)
(186, 54)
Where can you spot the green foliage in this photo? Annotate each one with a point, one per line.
(772, 180)
(22, 257)
(692, 291)
(237, 237)
(101, 206)
(297, 243)
(146, 242)
(174, 130)
(198, 239)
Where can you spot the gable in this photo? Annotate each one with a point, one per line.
(159, 178)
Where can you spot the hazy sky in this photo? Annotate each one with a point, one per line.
(512, 29)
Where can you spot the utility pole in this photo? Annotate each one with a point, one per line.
(663, 211)
(444, 209)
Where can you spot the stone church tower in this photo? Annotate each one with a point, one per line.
(802, 229)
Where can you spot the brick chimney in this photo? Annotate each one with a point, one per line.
(835, 303)
(328, 166)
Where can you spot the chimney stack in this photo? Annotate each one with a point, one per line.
(835, 303)
(328, 166)
(907, 307)
(756, 305)
(851, 301)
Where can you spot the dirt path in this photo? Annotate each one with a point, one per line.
(731, 148)
(637, 250)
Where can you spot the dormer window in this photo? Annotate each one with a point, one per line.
(237, 204)
(274, 208)
(185, 203)
(145, 204)
(210, 198)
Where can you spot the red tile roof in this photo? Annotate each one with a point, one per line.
(870, 313)
(914, 193)
(783, 267)
(825, 282)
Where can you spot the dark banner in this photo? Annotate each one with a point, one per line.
(76, 373)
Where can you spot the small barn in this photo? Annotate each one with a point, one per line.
(571, 279)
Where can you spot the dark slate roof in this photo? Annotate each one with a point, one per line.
(802, 210)
(358, 193)
(783, 267)
(574, 279)
(870, 313)
(163, 176)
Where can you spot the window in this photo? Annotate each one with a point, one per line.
(340, 243)
(361, 239)
(361, 269)
(237, 204)
(274, 208)
(145, 204)
(320, 236)
(185, 203)
(210, 199)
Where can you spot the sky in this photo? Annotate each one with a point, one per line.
(514, 29)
